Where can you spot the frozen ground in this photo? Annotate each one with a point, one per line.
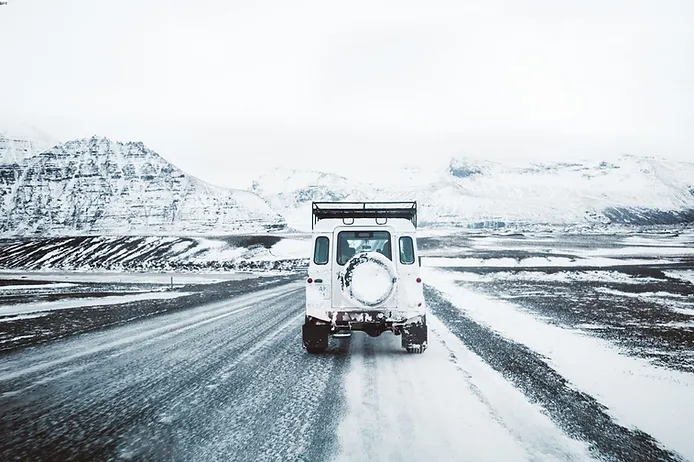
(156, 254)
(527, 361)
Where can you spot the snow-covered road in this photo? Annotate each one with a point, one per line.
(231, 381)
(445, 404)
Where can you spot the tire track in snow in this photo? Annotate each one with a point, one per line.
(430, 407)
(541, 439)
(282, 404)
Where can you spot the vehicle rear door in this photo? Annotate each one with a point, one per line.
(347, 242)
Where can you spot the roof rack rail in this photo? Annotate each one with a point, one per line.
(323, 210)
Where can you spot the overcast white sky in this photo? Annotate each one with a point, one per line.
(226, 88)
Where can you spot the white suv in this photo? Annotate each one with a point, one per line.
(364, 274)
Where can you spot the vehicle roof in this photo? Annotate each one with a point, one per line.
(396, 224)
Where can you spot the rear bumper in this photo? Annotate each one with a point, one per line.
(370, 317)
(371, 322)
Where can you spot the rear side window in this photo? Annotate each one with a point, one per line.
(406, 250)
(320, 251)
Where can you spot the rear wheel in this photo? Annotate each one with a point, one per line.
(415, 336)
(315, 336)
(415, 349)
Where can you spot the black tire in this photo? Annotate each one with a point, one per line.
(415, 337)
(315, 338)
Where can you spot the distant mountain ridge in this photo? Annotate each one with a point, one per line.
(99, 186)
(626, 190)
(102, 187)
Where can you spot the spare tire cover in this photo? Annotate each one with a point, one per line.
(369, 279)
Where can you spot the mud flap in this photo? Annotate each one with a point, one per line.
(415, 336)
(315, 336)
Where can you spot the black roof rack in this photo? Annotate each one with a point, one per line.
(344, 210)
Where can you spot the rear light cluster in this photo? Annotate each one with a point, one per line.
(419, 279)
(309, 280)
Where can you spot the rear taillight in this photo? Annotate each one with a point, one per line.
(309, 280)
(419, 279)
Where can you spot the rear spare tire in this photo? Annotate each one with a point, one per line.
(369, 279)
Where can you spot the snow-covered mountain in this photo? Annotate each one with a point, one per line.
(16, 146)
(290, 192)
(477, 193)
(100, 186)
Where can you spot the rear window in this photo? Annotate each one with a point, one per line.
(406, 250)
(352, 242)
(321, 250)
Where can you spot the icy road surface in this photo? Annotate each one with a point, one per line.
(230, 380)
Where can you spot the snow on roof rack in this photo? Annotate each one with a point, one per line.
(323, 210)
